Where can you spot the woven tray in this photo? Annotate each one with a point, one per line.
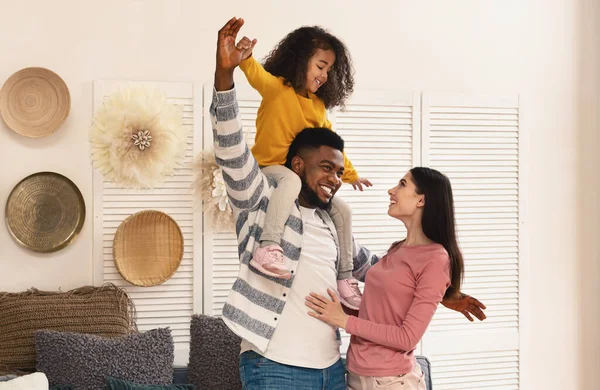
(34, 102)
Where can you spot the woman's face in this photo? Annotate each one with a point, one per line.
(404, 200)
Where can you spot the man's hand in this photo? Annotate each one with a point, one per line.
(466, 305)
(229, 55)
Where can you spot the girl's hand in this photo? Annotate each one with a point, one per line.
(245, 45)
(329, 311)
(358, 184)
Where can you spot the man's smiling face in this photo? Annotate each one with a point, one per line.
(321, 173)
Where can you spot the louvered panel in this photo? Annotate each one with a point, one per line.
(497, 370)
(172, 303)
(381, 133)
(474, 140)
(378, 128)
(449, 127)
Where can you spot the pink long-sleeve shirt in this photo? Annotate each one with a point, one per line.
(402, 292)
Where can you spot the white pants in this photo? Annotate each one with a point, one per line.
(412, 381)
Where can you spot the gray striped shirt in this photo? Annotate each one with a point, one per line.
(256, 300)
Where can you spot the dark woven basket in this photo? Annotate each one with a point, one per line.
(104, 311)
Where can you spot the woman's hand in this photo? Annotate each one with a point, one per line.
(329, 311)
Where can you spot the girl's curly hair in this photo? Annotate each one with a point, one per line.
(289, 60)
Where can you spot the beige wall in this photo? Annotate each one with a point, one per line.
(539, 48)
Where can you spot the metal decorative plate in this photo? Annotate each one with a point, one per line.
(45, 212)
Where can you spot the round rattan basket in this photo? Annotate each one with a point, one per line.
(34, 102)
(148, 248)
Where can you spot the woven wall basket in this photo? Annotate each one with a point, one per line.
(148, 248)
(104, 311)
(34, 102)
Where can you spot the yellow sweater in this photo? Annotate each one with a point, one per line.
(282, 115)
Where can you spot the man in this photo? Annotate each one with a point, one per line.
(283, 347)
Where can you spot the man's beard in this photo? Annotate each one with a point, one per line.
(312, 198)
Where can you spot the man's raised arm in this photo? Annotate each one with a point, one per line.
(245, 182)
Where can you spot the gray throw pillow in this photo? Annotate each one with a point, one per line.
(214, 355)
(83, 361)
(118, 384)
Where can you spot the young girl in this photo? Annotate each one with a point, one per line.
(307, 73)
(403, 289)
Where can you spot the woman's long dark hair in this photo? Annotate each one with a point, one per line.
(289, 60)
(438, 219)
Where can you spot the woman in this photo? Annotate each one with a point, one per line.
(403, 290)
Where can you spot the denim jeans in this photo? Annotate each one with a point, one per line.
(259, 373)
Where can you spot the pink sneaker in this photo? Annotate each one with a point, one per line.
(350, 295)
(269, 261)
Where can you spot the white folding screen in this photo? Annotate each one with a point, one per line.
(474, 140)
(173, 302)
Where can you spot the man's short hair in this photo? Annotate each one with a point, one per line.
(312, 139)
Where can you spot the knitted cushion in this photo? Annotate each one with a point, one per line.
(83, 361)
(214, 355)
(104, 311)
(118, 384)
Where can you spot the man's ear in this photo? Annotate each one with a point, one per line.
(297, 164)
